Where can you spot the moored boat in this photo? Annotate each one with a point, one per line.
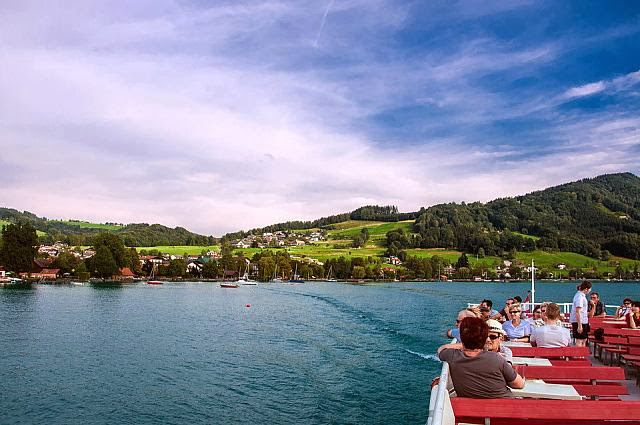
(229, 285)
(155, 282)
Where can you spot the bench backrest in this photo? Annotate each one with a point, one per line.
(558, 410)
(616, 340)
(550, 352)
(571, 372)
(634, 350)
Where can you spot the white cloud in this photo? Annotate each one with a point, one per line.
(585, 90)
(224, 118)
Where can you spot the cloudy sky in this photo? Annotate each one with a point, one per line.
(226, 115)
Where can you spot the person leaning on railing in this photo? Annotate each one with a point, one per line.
(477, 373)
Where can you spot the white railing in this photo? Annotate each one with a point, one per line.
(440, 411)
(564, 307)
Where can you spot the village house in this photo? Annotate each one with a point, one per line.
(125, 274)
(394, 260)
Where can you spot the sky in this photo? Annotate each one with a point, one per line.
(219, 116)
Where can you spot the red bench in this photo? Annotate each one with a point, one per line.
(538, 412)
(572, 373)
(556, 352)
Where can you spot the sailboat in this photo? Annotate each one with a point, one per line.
(295, 277)
(276, 279)
(329, 278)
(152, 275)
(246, 280)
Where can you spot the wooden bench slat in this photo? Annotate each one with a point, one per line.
(572, 372)
(550, 352)
(601, 390)
(545, 409)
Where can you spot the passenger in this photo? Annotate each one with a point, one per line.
(489, 304)
(485, 312)
(596, 307)
(551, 334)
(633, 318)
(455, 332)
(517, 329)
(579, 317)
(477, 373)
(504, 314)
(536, 317)
(496, 333)
(624, 309)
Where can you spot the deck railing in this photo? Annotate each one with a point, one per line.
(564, 307)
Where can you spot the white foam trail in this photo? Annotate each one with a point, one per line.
(432, 357)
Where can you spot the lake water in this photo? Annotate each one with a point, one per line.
(193, 353)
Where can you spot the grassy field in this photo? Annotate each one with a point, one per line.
(38, 232)
(180, 250)
(87, 225)
(377, 230)
(535, 238)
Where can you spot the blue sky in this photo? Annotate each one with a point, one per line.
(219, 116)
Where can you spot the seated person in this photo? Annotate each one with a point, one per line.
(633, 318)
(516, 328)
(596, 307)
(536, 317)
(455, 332)
(504, 314)
(496, 333)
(551, 334)
(488, 304)
(624, 309)
(474, 372)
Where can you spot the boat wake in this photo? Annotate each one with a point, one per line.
(431, 357)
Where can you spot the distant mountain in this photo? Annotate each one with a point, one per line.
(81, 233)
(590, 216)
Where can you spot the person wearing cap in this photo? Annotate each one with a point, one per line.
(496, 333)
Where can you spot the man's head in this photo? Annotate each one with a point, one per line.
(553, 312)
(463, 314)
(635, 307)
(537, 312)
(486, 303)
(507, 303)
(543, 310)
(627, 302)
(595, 297)
(495, 335)
(517, 299)
(473, 333)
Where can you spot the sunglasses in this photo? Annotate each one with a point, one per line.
(627, 303)
(515, 311)
(494, 337)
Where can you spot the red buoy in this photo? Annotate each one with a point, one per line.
(248, 305)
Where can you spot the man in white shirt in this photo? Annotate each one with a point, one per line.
(551, 334)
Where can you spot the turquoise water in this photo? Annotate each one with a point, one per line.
(194, 353)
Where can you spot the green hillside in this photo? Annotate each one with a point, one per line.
(88, 225)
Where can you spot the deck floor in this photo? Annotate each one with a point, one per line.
(630, 382)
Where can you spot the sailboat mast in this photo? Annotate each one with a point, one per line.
(533, 285)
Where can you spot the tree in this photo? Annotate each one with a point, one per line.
(463, 261)
(103, 263)
(177, 268)
(66, 262)
(19, 247)
(115, 246)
